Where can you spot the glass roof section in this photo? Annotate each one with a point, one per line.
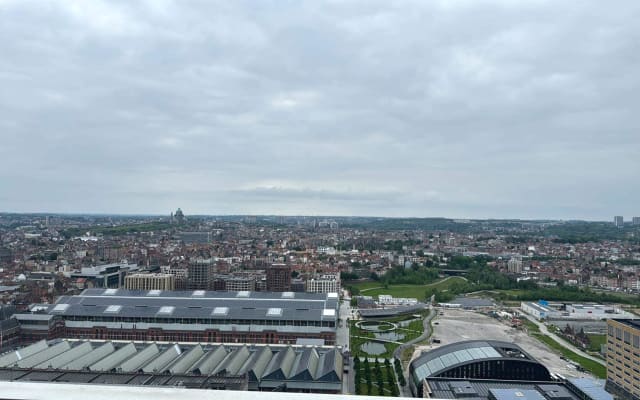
(440, 363)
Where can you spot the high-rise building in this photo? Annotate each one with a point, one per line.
(635, 220)
(618, 221)
(514, 265)
(150, 282)
(623, 357)
(200, 275)
(279, 278)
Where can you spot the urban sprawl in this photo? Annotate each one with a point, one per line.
(412, 307)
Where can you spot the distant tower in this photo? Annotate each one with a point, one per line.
(636, 220)
(171, 221)
(179, 216)
(618, 221)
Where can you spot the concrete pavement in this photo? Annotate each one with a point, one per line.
(562, 342)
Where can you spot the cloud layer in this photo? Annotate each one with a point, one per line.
(462, 109)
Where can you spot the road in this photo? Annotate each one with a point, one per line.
(342, 339)
(561, 342)
(342, 334)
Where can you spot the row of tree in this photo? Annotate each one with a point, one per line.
(364, 368)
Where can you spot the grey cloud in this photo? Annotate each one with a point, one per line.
(461, 109)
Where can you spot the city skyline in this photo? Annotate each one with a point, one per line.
(469, 109)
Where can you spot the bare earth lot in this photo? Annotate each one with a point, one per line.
(458, 325)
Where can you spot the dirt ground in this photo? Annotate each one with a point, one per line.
(459, 325)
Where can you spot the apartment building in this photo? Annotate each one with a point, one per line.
(150, 282)
(328, 283)
(623, 358)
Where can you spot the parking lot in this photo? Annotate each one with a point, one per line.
(459, 325)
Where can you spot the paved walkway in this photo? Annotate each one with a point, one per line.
(426, 285)
(562, 342)
(405, 391)
(377, 339)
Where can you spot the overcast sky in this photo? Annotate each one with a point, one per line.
(480, 109)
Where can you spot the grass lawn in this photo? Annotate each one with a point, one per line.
(417, 291)
(595, 341)
(595, 368)
(531, 327)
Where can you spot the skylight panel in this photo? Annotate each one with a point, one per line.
(110, 292)
(332, 295)
(243, 293)
(288, 295)
(166, 310)
(328, 312)
(198, 293)
(154, 292)
(274, 312)
(113, 309)
(220, 311)
(60, 308)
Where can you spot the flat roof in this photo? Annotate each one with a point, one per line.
(539, 307)
(634, 323)
(198, 304)
(483, 389)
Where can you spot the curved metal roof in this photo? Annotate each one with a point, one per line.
(456, 354)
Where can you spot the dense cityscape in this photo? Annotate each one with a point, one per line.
(319, 304)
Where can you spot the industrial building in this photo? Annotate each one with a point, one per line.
(106, 275)
(475, 359)
(186, 316)
(623, 358)
(481, 389)
(150, 282)
(374, 313)
(315, 369)
(546, 311)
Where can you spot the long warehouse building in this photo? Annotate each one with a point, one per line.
(186, 316)
(316, 369)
